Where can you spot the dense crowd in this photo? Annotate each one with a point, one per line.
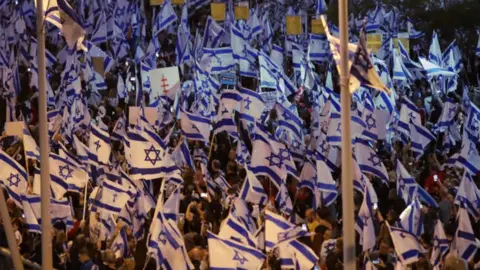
(171, 194)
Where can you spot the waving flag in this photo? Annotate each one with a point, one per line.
(274, 225)
(317, 48)
(213, 34)
(411, 218)
(433, 69)
(32, 150)
(100, 144)
(440, 244)
(172, 204)
(233, 229)
(468, 195)
(63, 170)
(464, 242)
(120, 244)
(61, 14)
(112, 198)
(233, 255)
(408, 113)
(31, 220)
(469, 157)
(435, 53)
(364, 223)
(60, 209)
(420, 137)
(326, 189)
(368, 161)
(407, 247)
(195, 127)
(164, 18)
(408, 189)
(252, 190)
(413, 34)
(218, 60)
(283, 200)
(13, 176)
(448, 114)
(241, 212)
(400, 71)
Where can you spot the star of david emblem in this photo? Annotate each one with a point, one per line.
(324, 146)
(471, 148)
(152, 152)
(282, 99)
(98, 145)
(370, 121)
(451, 111)
(248, 102)
(205, 84)
(412, 116)
(284, 154)
(225, 111)
(13, 180)
(374, 159)
(295, 144)
(119, 12)
(65, 171)
(239, 257)
(162, 237)
(275, 160)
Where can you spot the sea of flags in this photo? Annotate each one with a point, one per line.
(265, 122)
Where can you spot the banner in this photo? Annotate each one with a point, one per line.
(317, 27)
(241, 11)
(218, 11)
(164, 82)
(374, 42)
(294, 25)
(156, 2)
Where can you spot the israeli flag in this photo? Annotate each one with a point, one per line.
(274, 226)
(368, 161)
(233, 229)
(252, 190)
(413, 34)
(165, 18)
(99, 34)
(420, 137)
(167, 245)
(407, 247)
(464, 242)
(112, 198)
(411, 218)
(435, 53)
(64, 170)
(120, 244)
(60, 209)
(325, 189)
(100, 144)
(147, 156)
(13, 177)
(449, 111)
(468, 195)
(181, 155)
(364, 222)
(317, 48)
(218, 60)
(469, 157)
(32, 150)
(240, 211)
(408, 113)
(320, 7)
(408, 188)
(283, 200)
(119, 130)
(195, 127)
(172, 204)
(440, 244)
(61, 14)
(434, 70)
(31, 221)
(233, 255)
(400, 71)
(213, 34)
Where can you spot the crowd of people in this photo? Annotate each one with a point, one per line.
(221, 175)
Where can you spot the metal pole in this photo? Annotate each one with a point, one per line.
(44, 145)
(349, 258)
(12, 242)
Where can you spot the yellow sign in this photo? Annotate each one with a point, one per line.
(374, 42)
(241, 13)
(218, 11)
(178, 2)
(156, 2)
(294, 25)
(317, 27)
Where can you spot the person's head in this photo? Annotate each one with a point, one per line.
(11, 205)
(17, 224)
(83, 255)
(453, 262)
(384, 247)
(61, 237)
(310, 215)
(339, 246)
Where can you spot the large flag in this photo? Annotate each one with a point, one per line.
(63, 16)
(448, 114)
(464, 242)
(63, 170)
(440, 244)
(368, 161)
(407, 247)
(235, 230)
(195, 127)
(100, 144)
(420, 137)
(468, 195)
(408, 188)
(408, 113)
(435, 53)
(411, 218)
(13, 176)
(112, 198)
(252, 190)
(364, 223)
(228, 254)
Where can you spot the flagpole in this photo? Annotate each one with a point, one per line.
(44, 146)
(12, 242)
(349, 258)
